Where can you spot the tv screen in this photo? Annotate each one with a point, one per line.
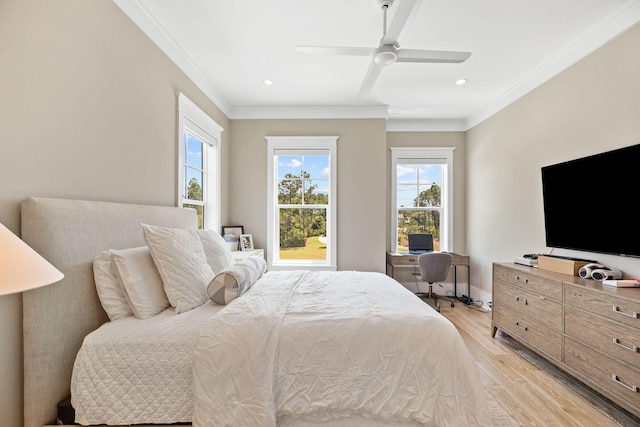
(589, 203)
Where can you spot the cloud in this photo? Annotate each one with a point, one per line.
(294, 163)
(405, 170)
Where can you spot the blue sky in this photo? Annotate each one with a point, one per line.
(317, 166)
(193, 153)
(412, 179)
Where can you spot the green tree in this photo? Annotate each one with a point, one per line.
(194, 192)
(423, 221)
(432, 196)
(297, 224)
(290, 188)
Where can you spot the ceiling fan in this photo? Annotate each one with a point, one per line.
(389, 50)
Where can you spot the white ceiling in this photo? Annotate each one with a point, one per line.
(229, 47)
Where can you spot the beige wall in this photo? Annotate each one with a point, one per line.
(361, 183)
(591, 107)
(88, 111)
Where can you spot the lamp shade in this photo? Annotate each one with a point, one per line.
(22, 268)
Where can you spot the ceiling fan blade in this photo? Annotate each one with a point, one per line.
(370, 78)
(331, 50)
(400, 18)
(437, 56)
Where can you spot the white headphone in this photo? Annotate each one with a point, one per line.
(599, 272)
(586, 270)
(606, 274)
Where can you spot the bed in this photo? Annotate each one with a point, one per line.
(298, 348)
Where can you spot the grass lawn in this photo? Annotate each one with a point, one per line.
(314, 249)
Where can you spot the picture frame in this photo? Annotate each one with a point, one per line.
(231, 235)
(236, 230)
(246, 242)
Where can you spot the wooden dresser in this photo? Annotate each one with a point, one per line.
(589, 330)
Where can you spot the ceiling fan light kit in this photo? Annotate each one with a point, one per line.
(388, 51)
(385, 55)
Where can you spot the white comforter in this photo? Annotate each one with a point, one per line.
(319, 345)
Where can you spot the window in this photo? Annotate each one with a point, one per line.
(301, 231)
(198, 163)
(422, 199)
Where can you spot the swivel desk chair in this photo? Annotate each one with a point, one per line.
(434, 267)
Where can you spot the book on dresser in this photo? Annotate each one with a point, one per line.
(587, 329)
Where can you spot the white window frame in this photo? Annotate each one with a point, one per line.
(302, 145)
(425, 155)
(200, 124)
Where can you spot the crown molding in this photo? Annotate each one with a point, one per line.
(140, 16)
(311, 112)
(610, 27)
(426, 125)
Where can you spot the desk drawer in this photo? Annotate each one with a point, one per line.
(405, 260)
(616, 340)
(460, 260)
(603, 372)
(528, 331)
(539, 307)
(538, 285)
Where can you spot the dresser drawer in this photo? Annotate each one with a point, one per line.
(528, 331)
(603, 372)
(538, 285)
(539, 307)
(616, 340)
(618, 309)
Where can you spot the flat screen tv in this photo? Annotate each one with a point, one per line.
(590, 203)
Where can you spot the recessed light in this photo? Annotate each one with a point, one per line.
(268, 82)
(460, 82)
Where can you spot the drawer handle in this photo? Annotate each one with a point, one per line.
(518, 298)
(633, 388)
(617, 342)
(616, 309)
(519, 279)
(518, 324)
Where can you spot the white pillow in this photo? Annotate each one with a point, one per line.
(235, 280)
(180, 258)
(109, 288)
(141, 281)
(216, 249)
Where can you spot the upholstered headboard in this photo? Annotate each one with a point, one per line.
(56, 318)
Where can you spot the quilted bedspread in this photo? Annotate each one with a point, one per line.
(323, 345)
(134, 371)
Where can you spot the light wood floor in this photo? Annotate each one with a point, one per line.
(532, 396)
